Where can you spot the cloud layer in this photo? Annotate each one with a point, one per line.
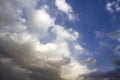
(33, 46)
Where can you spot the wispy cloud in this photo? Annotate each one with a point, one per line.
(113, 6)
(115, 35)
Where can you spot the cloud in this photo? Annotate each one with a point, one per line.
(115, 35)
(9, 70)
(69, 34)
(39, 20)
(113, 6)
(99, 34)
(105, 44)
(62, 5)
(91, 60)
(107, 37)
(79, 48)
(25, 55)
(103, 39)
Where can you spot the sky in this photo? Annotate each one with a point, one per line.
(59, 39)
(98, 23)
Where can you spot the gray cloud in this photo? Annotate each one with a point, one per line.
(9, 70)
(91, 60)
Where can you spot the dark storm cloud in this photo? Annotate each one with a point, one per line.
(11, 71)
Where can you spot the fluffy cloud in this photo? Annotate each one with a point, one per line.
(62, 5)
(66, 34)
(23, 27)
(39, 20)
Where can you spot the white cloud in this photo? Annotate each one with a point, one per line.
(39, 20)
(109, 6)
(21, 28)
(72, 70)
(113, 6)
(62, 5)
(63, 34)
(71, 16)
(78, 49)
(29, 52)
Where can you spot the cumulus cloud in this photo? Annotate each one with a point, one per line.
(23, 53)
(117, 50)
(39, 20)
